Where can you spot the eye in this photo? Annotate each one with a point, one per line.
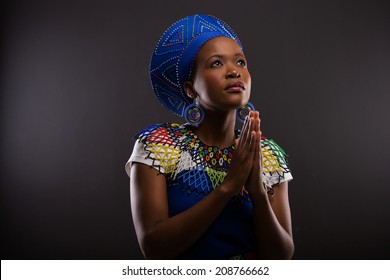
(216, 63)
(241, 62)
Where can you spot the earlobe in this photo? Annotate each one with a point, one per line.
(189, 89)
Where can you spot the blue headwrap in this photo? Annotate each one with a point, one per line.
(173, 58)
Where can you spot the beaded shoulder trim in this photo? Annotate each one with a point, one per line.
(274, 158)
(166, 143)
(174, 148)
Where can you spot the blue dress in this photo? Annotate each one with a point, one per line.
(192, 170)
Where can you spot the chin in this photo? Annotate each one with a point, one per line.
(235, 106)
(243, 102)
(239, 100)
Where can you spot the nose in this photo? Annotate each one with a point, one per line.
(233, 74)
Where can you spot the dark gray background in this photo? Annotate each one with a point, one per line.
(75, 90)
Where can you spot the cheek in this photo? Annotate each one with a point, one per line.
(248, 77)
(249, 85)
(248, 82)
(213, 82)
(199, 85)
(206, 84)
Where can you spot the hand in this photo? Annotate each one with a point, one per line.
(242, 161)
(255, 181)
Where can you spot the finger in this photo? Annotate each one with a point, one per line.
(259, 124)
(257, 151)
(251, 130)
(253, 123)
(248, 128)
(252, 145)
(257, 117)
(247, 132)
(260, 152)
(256, 156)
(253, 117)
(254, 114)
(244, 131)
(256, 126)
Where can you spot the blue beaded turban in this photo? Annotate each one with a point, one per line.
(173, 58)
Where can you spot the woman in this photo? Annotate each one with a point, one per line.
(204, 190)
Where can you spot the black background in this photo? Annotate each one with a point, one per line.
(75, 90)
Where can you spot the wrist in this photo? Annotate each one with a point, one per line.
(227, 189)
(257, 191)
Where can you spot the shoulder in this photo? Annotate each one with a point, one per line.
(158, 146)
(165, 133)
(274, 157)
(269, 146)
(275, 162)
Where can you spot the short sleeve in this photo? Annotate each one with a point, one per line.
(155, 147)
(140, 155)
(276, 169)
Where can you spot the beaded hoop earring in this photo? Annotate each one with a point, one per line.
(244, 111)
(194, 114)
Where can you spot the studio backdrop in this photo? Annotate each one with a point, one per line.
(75, 90)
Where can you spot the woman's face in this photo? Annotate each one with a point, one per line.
(221, 80)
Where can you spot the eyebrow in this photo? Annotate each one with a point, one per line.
(222, 56)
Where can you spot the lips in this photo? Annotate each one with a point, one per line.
(235, 87)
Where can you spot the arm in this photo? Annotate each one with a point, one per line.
(272, 216)
(273, 223)
(161, 236)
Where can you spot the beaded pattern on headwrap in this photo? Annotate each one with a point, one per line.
(195, 167)
(173, 58)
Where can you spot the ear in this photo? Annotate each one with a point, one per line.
(189, 89)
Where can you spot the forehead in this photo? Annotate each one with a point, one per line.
(219, 46)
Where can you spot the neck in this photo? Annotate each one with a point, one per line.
(217, 129)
